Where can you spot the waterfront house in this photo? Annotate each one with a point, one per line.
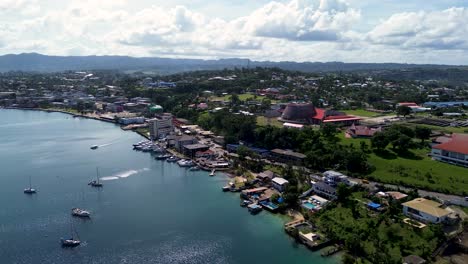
(325, 190)
(181, 141)
(426, 210)
(309, 239)
(453, 150)
(287, 156)
(279, 184)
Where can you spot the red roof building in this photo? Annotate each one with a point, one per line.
(308, 114)
(362, 131)
(454, 151)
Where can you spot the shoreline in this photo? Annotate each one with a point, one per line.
(284, 217)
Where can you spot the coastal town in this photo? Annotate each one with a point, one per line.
(365, 166)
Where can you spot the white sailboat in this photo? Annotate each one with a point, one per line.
(73, 240)
(96, 183)
(30, 190)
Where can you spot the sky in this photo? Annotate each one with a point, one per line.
(403, 31)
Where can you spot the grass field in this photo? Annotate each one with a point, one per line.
(263, 121)
(362, 112)
(415, 169)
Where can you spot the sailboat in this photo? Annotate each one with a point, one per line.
(72, 241)
(30, 190)
(96, 183)
(212, 172)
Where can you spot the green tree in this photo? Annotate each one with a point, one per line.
(403, 110)
(379, 141)
(422, 133)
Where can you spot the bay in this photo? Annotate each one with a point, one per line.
(148, 211)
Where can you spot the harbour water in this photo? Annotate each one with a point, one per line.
(148, 211)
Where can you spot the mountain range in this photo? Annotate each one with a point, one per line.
(45, 63)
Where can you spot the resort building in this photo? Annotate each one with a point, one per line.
(332, 178)
(325, 190)
(287, 156)
(454, 150)
(161, 127)
(425, 210)
(279, 184)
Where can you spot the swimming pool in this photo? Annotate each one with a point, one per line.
(309, 206)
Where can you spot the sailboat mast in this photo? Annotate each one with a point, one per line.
(30, 185)
(97, 174)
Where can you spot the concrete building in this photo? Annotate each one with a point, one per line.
(184, 140)
(454, 150)
(132, 120)
(426, 211)
(279, 184)
(325, 190)
(287, 156)
(192, 149)
(160, 127)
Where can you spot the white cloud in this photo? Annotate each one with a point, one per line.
(440, 30)
(298, 20)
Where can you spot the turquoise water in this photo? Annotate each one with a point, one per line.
(308, 205)
(148, 211)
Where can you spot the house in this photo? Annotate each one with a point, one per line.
(266, 175)
(287, 156)
(309, 239)
(425, 210)
(453, 151)
(279, 184)
(397, 195)
(362, 131)
(325, 190)
(181, 141)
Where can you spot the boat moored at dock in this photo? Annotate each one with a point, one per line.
(254, 208)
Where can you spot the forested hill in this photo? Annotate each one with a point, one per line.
(45, 63)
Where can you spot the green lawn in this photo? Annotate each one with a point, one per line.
(263, 121)
(362, 112)
(242, 97)
(416, 170)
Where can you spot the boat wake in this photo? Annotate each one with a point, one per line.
(123, 174)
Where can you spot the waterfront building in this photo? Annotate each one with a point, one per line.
(279, 184)
(161, 126)
(426, 210)
(132, 120)
(325, 190)
(287, 156)
(192, 149)
(181, 141)
(453, 150)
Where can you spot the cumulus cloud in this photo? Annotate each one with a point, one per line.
(440, 30)
(300, 21)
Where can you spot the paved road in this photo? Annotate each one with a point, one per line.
(453, 199)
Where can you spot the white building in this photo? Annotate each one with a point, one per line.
(279, 184)
(425, 210)
(160, 127)
(454, 151)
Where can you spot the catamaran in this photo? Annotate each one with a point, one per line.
(96, 183)
(30, 190)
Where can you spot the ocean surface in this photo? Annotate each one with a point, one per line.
(148, 211)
